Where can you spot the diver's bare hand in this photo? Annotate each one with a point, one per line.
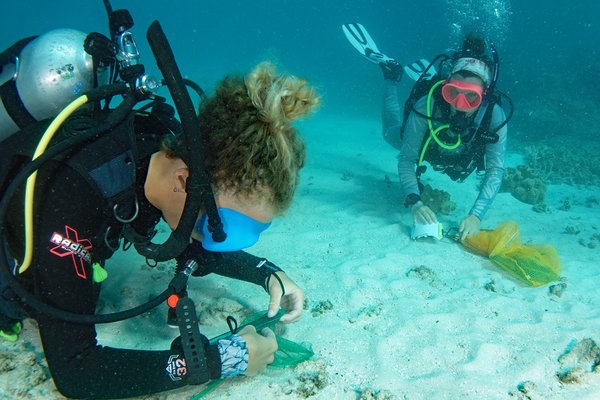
(422, 214)
(469, 226)
(261, 348)
(287, 295)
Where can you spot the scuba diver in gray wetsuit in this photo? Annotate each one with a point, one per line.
(452, 119)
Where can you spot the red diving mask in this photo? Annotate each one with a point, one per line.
(462, 94)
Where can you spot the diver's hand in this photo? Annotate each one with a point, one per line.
(469, 226)
(287, 295)
(261, 348)
(392, 70)
(422, 214)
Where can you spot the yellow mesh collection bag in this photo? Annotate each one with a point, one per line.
(534, 264)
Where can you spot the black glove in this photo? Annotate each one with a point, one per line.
(392, 71)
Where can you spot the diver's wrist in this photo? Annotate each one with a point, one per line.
(234, 356)
(412, 199)
(417, 205)
(266, 269)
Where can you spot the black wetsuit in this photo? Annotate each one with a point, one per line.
(68, 207)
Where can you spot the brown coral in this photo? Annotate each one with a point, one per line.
(564, 164)
(524, 184)
(438, 200)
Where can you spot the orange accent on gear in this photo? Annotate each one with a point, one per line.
(172, 300)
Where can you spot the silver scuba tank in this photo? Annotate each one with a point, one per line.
(49, 73)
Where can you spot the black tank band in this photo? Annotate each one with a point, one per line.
(14, 105)
(8, 92)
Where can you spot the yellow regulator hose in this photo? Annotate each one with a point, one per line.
(30, 187)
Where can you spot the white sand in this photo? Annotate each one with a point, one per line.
(461, 329)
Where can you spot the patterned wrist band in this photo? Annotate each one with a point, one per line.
(234, 356)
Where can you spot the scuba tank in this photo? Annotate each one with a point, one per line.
(41, 75)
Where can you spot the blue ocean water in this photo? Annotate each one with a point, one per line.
(544, 47)
(549, 51)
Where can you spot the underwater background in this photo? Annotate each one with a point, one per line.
(549, 50)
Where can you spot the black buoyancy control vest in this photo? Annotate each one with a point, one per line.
(108, 163)
(458, 164)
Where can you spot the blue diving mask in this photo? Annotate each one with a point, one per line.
(242, 231)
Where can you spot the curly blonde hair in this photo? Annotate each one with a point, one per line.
(252, 148)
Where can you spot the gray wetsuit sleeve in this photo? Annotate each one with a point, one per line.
(494, 171)
(391, 116)
(414, 131)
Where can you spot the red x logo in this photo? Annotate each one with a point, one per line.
(71, 245)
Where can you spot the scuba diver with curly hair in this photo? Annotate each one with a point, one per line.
(89, 199)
